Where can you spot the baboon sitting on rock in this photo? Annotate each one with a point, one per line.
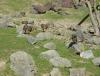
(26, 28)
(74, 41)
(74, 44)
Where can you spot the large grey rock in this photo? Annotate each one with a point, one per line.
(44, 36)
(79, 34)
(96, 40)
(55, 72)
(92, 39)
(77, 72)
(88, 38)
(11, 24)
(31, 39)
(5, 21)
(22, 64)
(77, 48)
(2, 65)
(50, 54)
(38, 9)
(87, 54)
(50, 46)
(96, 61)
(60, 62)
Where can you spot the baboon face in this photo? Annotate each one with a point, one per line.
(44, 27)
(74, 38)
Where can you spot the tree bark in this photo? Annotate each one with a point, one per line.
(94, 21)
(97, 13)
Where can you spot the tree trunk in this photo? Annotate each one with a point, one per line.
(97, 13)
(94, 21)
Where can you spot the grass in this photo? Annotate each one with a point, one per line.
(9, 6)
(9, 44)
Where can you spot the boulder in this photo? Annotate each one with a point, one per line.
(23, 64)
(77, 72)
(31, 39)
(2, 65)
(87, 54)
(88, 38)
(38, 9)
(79, 34)
(96, 40)
(44, 36)
(96, 61)
(19, 29)
(55, 72)
(50, 54)
(76, 48)
(50, 46)
(5, 21)
(47, 74)
(60, 62)
(11, 24)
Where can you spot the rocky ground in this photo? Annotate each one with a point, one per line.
(46, 53)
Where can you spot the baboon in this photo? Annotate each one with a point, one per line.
(74, 40)
(26, 29)
(44, 27)
(23, 14)
(74, 44)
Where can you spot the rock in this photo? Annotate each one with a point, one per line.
(79, 34)
(2, 65)
(50, 54)
(92, 39)
(96, 40)
(96, 61)
(50, 46)
(38, 9)
(11, 24)
(87, 54)
(19, 29)
(44, 36)
(20, 14)
(60, 62)
(77, 48)
(55, 72)
(88, 38)
(47, 74)
(31, 39)
(22, 64)
(5, 21)
(77, 72)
